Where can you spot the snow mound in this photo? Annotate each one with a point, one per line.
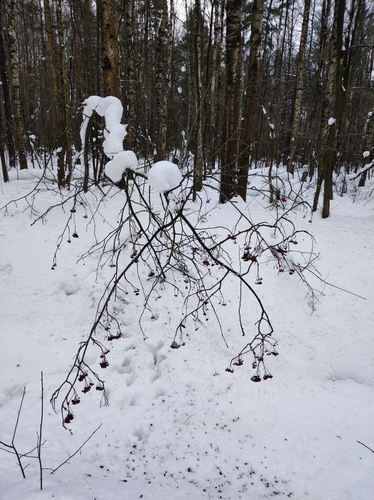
(164, 176)
(122, 161)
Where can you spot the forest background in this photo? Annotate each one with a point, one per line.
(231, 84)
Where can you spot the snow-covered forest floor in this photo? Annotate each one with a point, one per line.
(178, 425)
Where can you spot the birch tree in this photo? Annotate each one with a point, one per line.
(217, 13)
(295, 120)
(19, 131)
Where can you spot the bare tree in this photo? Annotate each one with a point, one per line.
(130, 76)
(313, 129)
(250, 107)
(15, 82)
(161, 87)
(329, 125)
(5, 87)
(199, 109)
(295, 119)
(231, 111)
(2, 159)
(369, 150)
(66, 102)
(212, 76)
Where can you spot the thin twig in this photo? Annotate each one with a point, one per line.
(41, 431)
(359, 442)
(71, 456)
(345, 290)
(15, 431)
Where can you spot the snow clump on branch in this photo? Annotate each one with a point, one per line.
(164, 176)
(111, 109)
(122, 161)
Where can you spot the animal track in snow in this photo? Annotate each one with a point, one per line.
(155, 350)
(131, 379)
(141, 373)
(5, 271)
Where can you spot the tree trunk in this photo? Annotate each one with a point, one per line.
(318, 97)
(369, 148)
(329, 156)
(251, 95)
(295, 119)
(213, 85)
(329, 125)
(2, 159)
(4, 74)
(15, 82)
(110, 51)
(130, 80)
(198, 159)
(230, 133)
(161, 94)
(57, 97)
(66, 102)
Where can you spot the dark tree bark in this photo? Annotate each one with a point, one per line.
(254, 77)
(230, 133)
(5, 81)
(66, 102)
(198, 158)
(329, 124)
(161, 84)
(108, 22)
(313, 132)
(57, 95)
(369, 149)
(2, 159)
(130, 77)
(212, 76)
(15, 83)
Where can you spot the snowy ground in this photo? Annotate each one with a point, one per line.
(179, 426)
